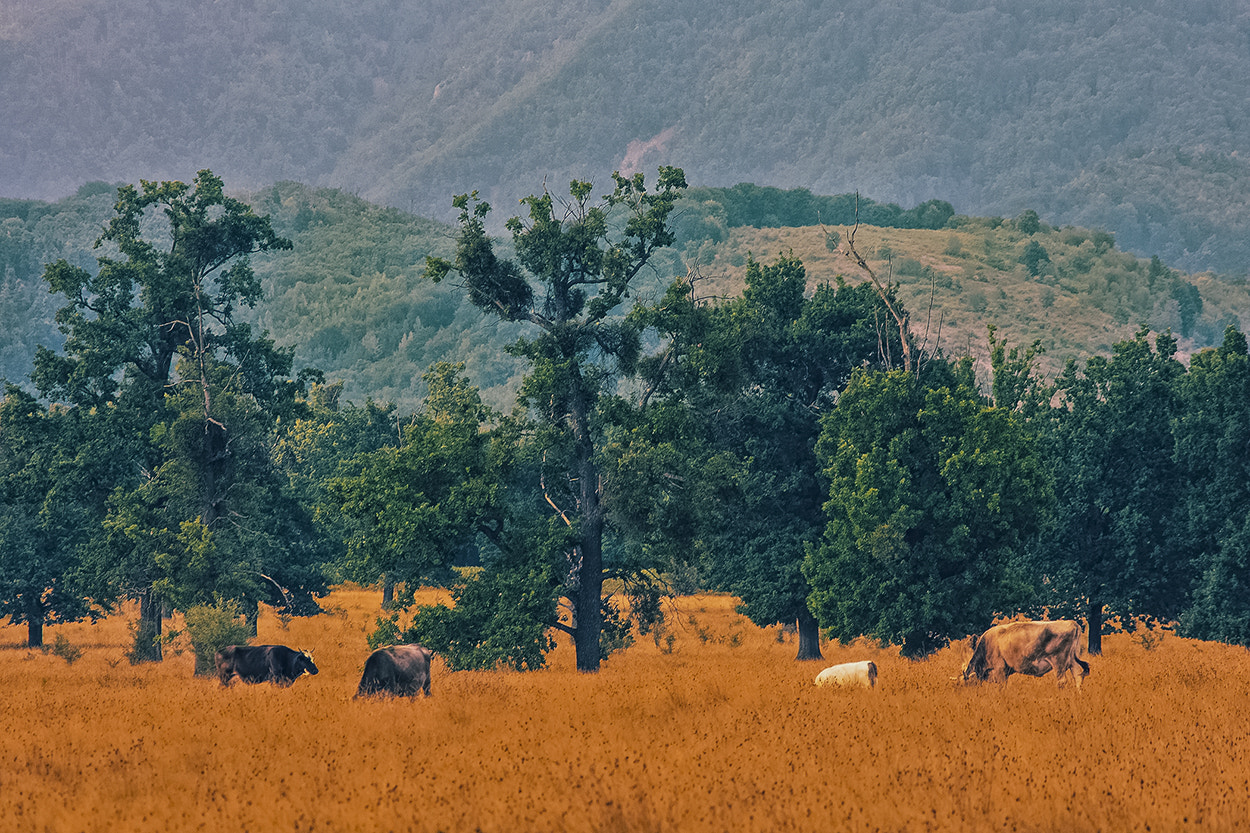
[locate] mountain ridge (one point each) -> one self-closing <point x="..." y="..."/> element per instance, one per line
<point x="1116" y="115"/>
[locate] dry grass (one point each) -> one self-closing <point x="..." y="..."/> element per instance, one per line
<point x="723" y="733"/>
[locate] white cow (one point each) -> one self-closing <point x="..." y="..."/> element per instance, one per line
<point x="856" y="674"/>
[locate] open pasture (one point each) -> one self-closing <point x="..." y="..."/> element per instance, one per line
<point x="718" y="731"/>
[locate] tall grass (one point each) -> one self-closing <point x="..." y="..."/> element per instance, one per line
<point x="721" y="733"/>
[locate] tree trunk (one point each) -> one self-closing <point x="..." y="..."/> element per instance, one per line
<point x="388" y="591"/>
<point x="1094" y="620"/>
<point x="34" y="631"/>
<point x="809" y="636"/>
<point x="588" y="600"/>
<point x="147" y="647"/>
<point x="251" y="617"/>
<point x="588" y="596"/>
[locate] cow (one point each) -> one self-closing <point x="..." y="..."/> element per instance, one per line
<point x="400" y="670"/>
<point x="853" y="674"/>
<point x="1033" y="648"/>
<point x="276" y="664"/>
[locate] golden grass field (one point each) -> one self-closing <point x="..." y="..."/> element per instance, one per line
<point x="725" y="733"/>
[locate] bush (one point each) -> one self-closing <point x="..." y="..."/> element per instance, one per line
<point x="213" y="627"/>
<point x="62" y="648"/>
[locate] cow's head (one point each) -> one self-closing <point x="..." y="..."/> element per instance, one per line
<point x="306" y="662"/>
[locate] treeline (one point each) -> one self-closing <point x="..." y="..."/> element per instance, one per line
<point x="800" y="451"/>
<point x="747" y="204"/>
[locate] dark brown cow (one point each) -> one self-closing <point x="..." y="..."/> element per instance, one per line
<point x="400" y="670"/>
<point x="1033" y="648"/>
<point x="276" y="664"/>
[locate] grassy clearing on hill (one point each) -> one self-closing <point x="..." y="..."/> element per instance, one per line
<point x="955" y="282"/>
<point x="721" y="730"/>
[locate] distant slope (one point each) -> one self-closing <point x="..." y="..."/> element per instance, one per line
<point x="1085" y="296"/>
<point x="1122" y="115"/>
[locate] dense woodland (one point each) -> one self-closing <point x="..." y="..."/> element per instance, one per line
<point x="1129" y="117"/>
<point x="798" y="444"/>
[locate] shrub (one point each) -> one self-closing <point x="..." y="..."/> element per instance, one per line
<point x="62" y="648"/>
<point x="213" y="627"/>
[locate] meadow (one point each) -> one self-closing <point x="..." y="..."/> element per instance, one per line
<point x="718" y="729"/>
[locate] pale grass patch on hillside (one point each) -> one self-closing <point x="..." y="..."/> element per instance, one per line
<point x="720" y="733"/>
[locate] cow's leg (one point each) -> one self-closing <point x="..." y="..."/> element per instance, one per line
<point x="426" y="687"/>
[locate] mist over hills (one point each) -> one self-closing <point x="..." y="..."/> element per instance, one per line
<point x="1126" y="116"/>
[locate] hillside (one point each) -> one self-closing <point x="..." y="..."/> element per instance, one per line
<point x="1126" y="116"/>
<point x="1087" y="296"/>
<point x="350" y="299"/>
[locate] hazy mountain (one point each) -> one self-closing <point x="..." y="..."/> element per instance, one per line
<point x="1127" y="116"/>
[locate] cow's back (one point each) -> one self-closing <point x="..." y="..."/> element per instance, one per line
<point x="861" y="674"/>
<point x="400" y="670"/>
<point x="1033" y="648"/>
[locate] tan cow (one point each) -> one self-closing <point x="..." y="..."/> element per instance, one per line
<point x="852" y="674"/>
<point x="1033" y="648"/>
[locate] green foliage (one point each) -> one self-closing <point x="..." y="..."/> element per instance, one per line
<point x="1212" y="436"/>
<point x="1034" y="258"/>
<point x="501" y="616"/>
<point x="55" y="467"/>
<point x="212" y="627"/>
<point x="932" y="496"/>
<point x="61" y="647"/>
<point x="411" y="508"/>
<point x="706" y="212"/>
<point x="190" y="398"/>
<point x="1112" y="450"/>
<point x="1027" y="222"/>
<point x="576" y="262"/>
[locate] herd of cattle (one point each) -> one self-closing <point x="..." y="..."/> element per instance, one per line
<point x="1032" y="648"/>
<point x="401" y="670"/>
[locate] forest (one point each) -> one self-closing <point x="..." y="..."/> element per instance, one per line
<point x="798" y="445"/>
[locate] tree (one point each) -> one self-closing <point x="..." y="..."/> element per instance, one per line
<point x="412" y="508"/>
<point x="53" y="463"/>
<point x="760" y="370"/>
<point x="573" y="270"/>
<point x="933" y="494"/>
<point x="1213" y="454"/>
<point x="151" y="339"/>
<point x="1034" y="257"/>
<point x="330" y="442"/>
<point x="1113" y="453"/>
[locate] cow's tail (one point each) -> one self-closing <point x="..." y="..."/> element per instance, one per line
<point x="1084" y="665"/>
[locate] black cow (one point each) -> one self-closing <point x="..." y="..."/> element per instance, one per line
<point x="400" y="670"/>
<point x="277" y="664"/>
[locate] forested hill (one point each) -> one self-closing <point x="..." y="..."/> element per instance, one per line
<point x="1126" y="116"/>
<point x="350" y="299"/>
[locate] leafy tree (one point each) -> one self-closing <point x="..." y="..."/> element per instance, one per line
<point x="52" y="465"/>
<point x="412" y="508"/>
<point x="573" y="270"/>
<point x="933" y="494"/>
<point x="151" y="338"/>
<point x="1034" y="257"/>
<point x="1112" y="449"/>
<point x="759" y="372"/>
<point x="1028" y="222"/>
<point x="330" y="442"/>
<point x="1213" y="454"/>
